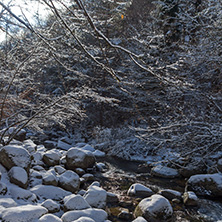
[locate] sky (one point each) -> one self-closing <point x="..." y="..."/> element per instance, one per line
<point x="28" y="7"/>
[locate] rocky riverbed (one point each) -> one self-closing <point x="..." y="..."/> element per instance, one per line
<point x="75" y="182"/>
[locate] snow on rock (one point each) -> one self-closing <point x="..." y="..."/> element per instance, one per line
<point x="18" y="176"/>
<point x="51" y="206"/>
<point x="30" y="146"/>
<point x="190" y="198"/>
<point x="51" y="157"/>
<point x="7" y="202"/>
<point x="165" y="172"/>
<point x="88" y="147"/>
<point x="63" y="145"/>
<point x="22" y="195"/>
<point x="50" y="192"/>
<point x="14" y="155"/>
<point x="139" y="190"/>
<point x="139" y="219"/>
<point x="97" y="215"/>
<point x="3" y="188"/>
<point x="24" y="213"/>
<point x="96" y="197"/>
<point x="88" y="177"/>
<point x="206" y="184"/>
<point x="69" y="180"/>
<point x="85" y="219"/>
<point x="77" y="157"/>
<point x="98" y="153"/>
<point x="49" y="179"/>
<point x="59" y="169"/>
<point x="75" y="202"/>
<point x="154" y="208"/>
<point x="170" y="194"/>
<point x="49" y="218"/>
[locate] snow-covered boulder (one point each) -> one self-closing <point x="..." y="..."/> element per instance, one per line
<point x="85" y="219"/>
<point x="97" y="215"/>
<point x="77" y="157"/>
<point x="3" y="188"/>
<point x="18" y="176"/>
<point x="206" y="184"/>
<point x="7" y="202"/>
<point x="190" y="198"/>
<point x="51" y="157"/>
<point x="14" y="155"/>
<point x="96" y="197"/>
<point x="22" y="195"/>
<point x="139" y="219"/>
<point x="50" y="192"/>
<point x="49" y="179"/>
<point x="155" y="208"/>
<point x="139" y="190"/>
<point x="164" y="172"/>
<point x="170" y="194"/>
<point x="24" y="213"/>
<point x="51" y="206"/>
<point x="69" y="180"/>
<point x="75" y="202"/>
<point x="49" y="218"/>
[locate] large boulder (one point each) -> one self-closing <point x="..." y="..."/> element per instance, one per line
<point x="24" y="213"/>
<point x="18" y="176"/>
<point x="155" y="208"/>
<point x="49" y="218"/>
<point x="75" y="202"/>
<point x="96" y="214"/>
<point x="69" y="180"/>
<point x="206" y="184"/>
<point x="77" y="157"/>
<point x="49" y="192"/>
<point x="15" y="155"/>
<point x="51" y="157"/>
<point x="96" y="197"/>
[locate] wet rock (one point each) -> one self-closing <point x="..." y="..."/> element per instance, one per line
<point x="170" y="194"/>
<point x="155" y="208"/>
<point x="75" y="202"/>
<point x="24" y="213"/>
<point x="76" y="157"/>
<point x="69" y="180"/>
<point x="219" y="165"/>
<point x="97" y="215"/>
<point x="51" y="157"/>
<point x="7" y="202"/>
<point x="18" y="176"/>
<point x="139" y="219"/>
<point x="96" y="197"/>
<point x="164" y="172"/>
<point x="14" y="155"/>
<point x="51" y="206"/>
<point x="206" y="184"/>
<point x="190" y="198"/>
<point x="50" y="192"/>
<point x="49" y="218"/>
<point x="139" y="190"/>
<point x="3" y="188"/>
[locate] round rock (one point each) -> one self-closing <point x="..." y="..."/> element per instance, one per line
<point x="18" y="176"/>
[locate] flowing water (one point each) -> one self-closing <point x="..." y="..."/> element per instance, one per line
<point x="121" y="174"/>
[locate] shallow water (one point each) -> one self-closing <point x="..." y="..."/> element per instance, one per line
<point x="121" y="174"/>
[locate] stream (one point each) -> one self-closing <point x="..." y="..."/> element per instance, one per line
<point x="121" y="174"/>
